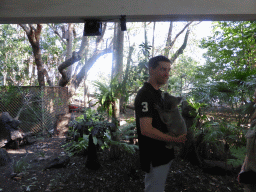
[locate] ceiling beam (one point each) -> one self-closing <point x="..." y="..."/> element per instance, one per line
<point x="76" y="11"/>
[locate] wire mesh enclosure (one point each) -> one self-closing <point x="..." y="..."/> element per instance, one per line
<point x="37" y="107"/>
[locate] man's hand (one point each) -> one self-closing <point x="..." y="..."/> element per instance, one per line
<point x="148" y="130"/>
<point x="180" y="139"/>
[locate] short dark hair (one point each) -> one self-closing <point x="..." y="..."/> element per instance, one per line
<point x="154" y="61"/>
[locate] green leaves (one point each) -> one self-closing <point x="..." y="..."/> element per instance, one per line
<point x="239" y="153"/>
<point x="13" y="53"/>
<point x="107" y="94"/>
<point x="74" y="147"/>
<point x="228" y="75"/>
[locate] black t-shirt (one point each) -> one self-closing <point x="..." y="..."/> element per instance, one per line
<point x="151" y="150"/>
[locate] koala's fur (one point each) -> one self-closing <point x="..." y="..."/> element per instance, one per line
<point x="170" y="115"/>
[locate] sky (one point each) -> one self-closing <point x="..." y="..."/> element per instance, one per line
<point x="103" y="65"/>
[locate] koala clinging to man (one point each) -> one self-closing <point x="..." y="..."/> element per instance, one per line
<point x="170" y="115"/>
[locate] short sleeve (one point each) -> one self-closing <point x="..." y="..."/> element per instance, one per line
<point x="144" y="104"/>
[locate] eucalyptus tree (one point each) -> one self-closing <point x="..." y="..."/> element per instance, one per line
<point x="229" y="72"/>
<point x="14" y="56"/>
<point x="82" y="50"/>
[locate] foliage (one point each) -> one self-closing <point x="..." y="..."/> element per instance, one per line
<point x="228" y="75"/>
<point x="228" y="78"/>
<point x="197" y="106"/>
<point x="14" y="55"/>
<point x="182" y="76"/>
<point x="107" y="94"/>
<point x="20" y="165"/>
<point x="101" y="132"/>
<point x="126" y="131"/>
<point x="223" y="130"/>
<point x="130" y="148"/>
<point x="137" y="73"/>
<point x="239" y="153"/>
<point x="130" y="120"/>
<point x="8" y="94"/>
<point x="74" y="147"/>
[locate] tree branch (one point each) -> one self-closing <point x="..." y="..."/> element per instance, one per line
<point x="45" y="72"/>
<point x="181" y="49"/>
<point x="64" y="79"/>
<point x="186" y="26"/>
<point x="79" y="77"/>
<point x="58" y="34"/>
<point x="84" y="43"/>
<point x="25" y="28"/>
<point x="38" y="32"/>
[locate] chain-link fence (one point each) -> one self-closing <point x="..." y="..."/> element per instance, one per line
<point x="36" y="107"/>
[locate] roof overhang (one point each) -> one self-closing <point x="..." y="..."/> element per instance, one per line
<point x="77" y="11"/>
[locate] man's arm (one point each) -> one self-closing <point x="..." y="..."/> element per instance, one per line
<point x="148" y="130"/>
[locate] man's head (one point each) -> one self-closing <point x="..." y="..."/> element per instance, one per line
<point x="159" y="68"/>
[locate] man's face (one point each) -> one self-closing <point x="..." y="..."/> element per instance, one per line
<point x="161" y="72"/>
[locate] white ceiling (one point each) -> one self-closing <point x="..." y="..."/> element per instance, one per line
<point x="56" y="11"/>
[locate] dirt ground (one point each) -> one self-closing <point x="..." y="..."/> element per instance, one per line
<point x="120" y="174"/>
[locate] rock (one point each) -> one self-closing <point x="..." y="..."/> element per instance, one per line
<point x="9" y="129"/>
<point x="58" y="163"/>
<point x="4" y="157"/>
<point x="5" y="118"/>
<point x="15" y="134"/>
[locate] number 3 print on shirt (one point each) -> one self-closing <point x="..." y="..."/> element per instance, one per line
<point x="145" y="106"/>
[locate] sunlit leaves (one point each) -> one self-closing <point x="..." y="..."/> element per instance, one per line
<point x="13" y="53"/>
<point x="230" y="59"/>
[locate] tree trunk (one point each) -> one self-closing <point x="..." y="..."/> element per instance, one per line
<point x="125" y="80"/>
<point x="168" y="41"/>
<point x="77" y="56"/>
<point x="69" y="49"/>
<point x="153" y="40"/>
<point x="117" y="70"/>
<point x="117" y="62"/>
<point x="33" y="35"/>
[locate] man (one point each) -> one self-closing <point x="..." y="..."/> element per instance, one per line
<point x="155" y="158"/>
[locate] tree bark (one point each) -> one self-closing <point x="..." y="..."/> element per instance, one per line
<point x="69" y="49"/>
<point x="117" y="62"/>
<point x="125" y="80"/>
<point x="117" y="70"/>
<point x="181" y="49"/>
<point x="33" y="35"/>
<point x="77" y="78"/>
<point x="168" y="41"/>
<point x="153" y="39"/>
<point x="82" y="74"/>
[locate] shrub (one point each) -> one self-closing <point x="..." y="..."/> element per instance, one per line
<point x="239" y="153"/>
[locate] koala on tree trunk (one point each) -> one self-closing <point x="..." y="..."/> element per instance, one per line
<point x="170" y="115"/>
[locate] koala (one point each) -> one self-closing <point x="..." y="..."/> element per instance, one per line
<point x="170" y="115"/>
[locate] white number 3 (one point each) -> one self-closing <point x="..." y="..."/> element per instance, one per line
<point x="145" y="106"/>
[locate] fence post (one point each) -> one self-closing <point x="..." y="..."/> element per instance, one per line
<point x="42" y="107"/>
